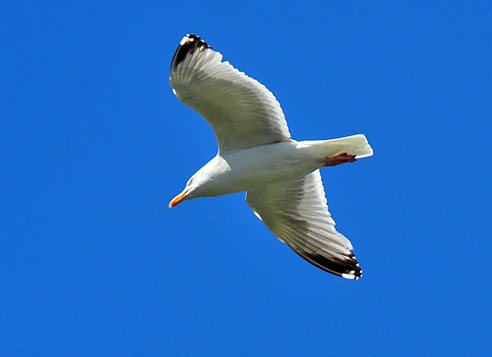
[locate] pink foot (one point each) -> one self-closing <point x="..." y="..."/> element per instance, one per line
<point x="337" y="159"/>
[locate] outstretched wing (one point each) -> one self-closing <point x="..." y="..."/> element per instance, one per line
<point x="297" y="213"/>
<point x="241" y="111"/>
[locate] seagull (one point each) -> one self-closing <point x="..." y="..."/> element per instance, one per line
<point x="257" y="155"/>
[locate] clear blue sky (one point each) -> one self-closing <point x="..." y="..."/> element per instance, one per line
<point x="94" y="145"/>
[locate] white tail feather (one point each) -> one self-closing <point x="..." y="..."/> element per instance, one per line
<point x="352" y="145"/>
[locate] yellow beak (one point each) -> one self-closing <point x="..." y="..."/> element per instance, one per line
<point x="179" y="198"/>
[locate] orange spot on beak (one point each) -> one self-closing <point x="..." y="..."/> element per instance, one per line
<point x="178" y="199"/>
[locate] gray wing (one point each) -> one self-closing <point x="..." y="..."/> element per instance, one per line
<point x="296" y="212"/>
<point x="241" y="111"/>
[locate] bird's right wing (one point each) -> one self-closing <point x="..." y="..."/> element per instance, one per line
<point x="297" y="213"/>
<point x="241" y="111"/>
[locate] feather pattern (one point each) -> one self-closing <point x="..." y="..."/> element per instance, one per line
<point x="296" y="212"/>
<point x="242" y="112"/>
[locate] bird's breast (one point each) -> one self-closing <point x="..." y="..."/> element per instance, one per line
<point x="259" y="166"/>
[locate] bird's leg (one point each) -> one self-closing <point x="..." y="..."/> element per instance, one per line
<point x="337" y="159"/>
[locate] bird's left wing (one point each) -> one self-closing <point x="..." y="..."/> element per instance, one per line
<point x="297" y="213"/>
<point x="241" y="111"/>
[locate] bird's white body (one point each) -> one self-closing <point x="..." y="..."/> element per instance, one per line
<point x="257" y="155"/>
<point x="252" y="168"/>
<point x="247" y="169"/>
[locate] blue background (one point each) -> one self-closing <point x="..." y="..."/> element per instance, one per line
<point x="94" y="145"/>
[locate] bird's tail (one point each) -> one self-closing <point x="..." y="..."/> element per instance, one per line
<point x="353" y="145"/>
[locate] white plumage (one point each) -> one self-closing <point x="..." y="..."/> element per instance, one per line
<point x="242" y="112"/>
<point x="257" y="155"/>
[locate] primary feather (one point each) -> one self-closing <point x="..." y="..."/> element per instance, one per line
<point x="241" y="111"/>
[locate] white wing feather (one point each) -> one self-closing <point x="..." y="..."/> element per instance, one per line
<point x="297" y="213"/>
<point x="241" y="111"/>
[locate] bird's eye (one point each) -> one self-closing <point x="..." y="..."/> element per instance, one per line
<point x="190" y="181"/>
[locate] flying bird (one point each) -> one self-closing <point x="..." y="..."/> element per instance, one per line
<point x="257" y="155"/>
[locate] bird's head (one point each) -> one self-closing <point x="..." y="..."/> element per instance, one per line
<point x="188" y="193"/>
<point x="206" y="182"/>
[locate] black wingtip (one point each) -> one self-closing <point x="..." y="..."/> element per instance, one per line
<point x="347" y="268"/>
<point x="189" y="44"/>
